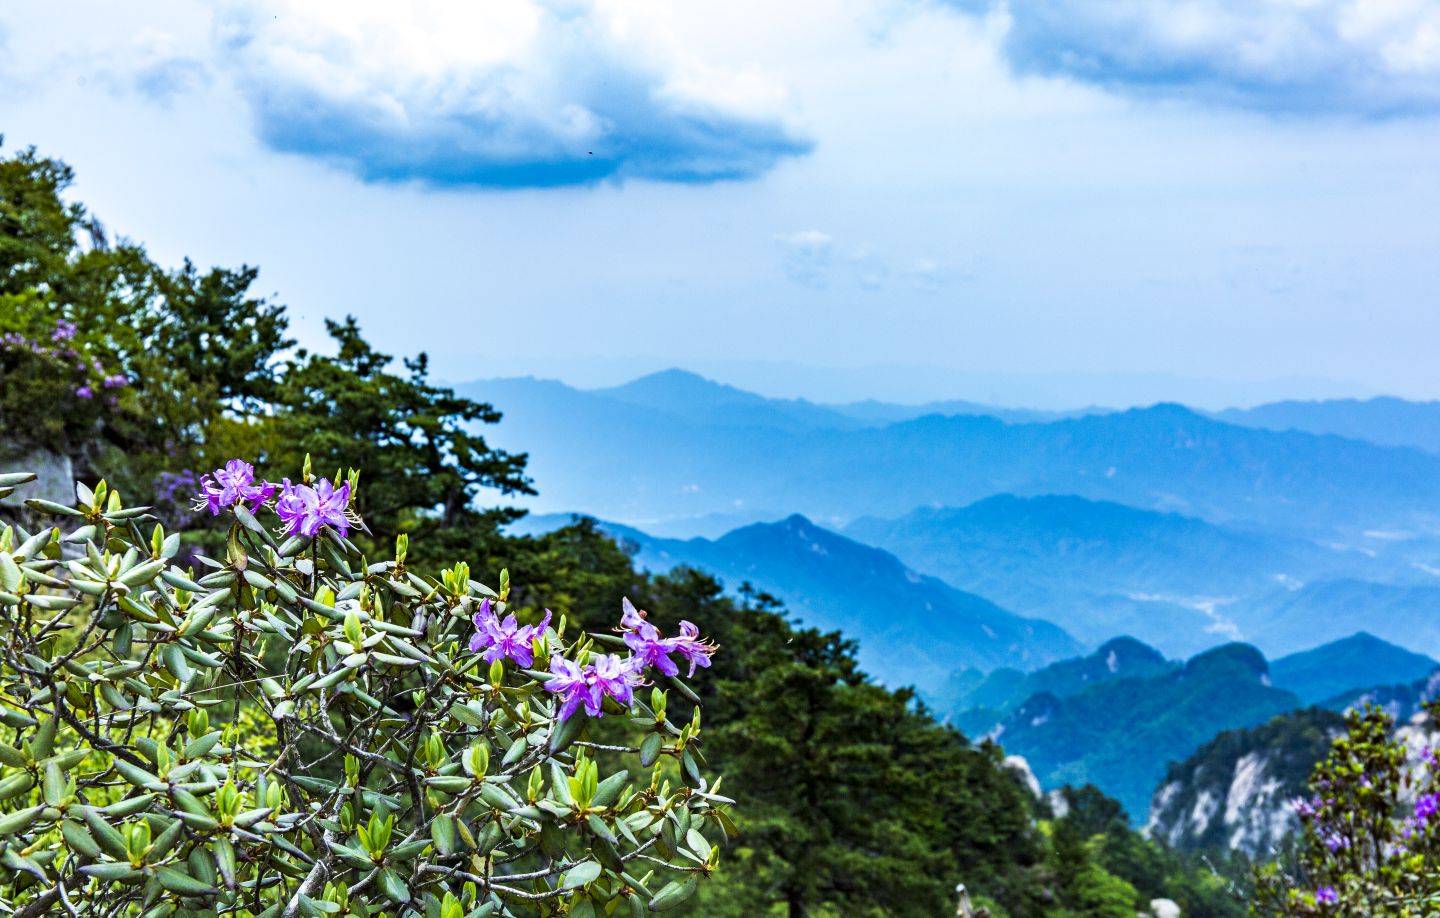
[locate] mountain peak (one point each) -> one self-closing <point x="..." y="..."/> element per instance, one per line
<point x="1233" y="658"/>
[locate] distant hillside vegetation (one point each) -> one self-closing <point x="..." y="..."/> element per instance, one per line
<point x="1120" y="735"/>
<point x="1235" y="791"/>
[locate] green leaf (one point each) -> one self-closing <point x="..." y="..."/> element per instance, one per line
<point x="450" y="784"/>
<point x="697" y="843"/>
<point x="597" y="825"/>
<point x="442" y="832"/>
<point x="110" y="873"/>
<point x="394" y="887"/>
<point x="582" y="873"/>
<point x="54" y="784"/>
<point x="16" y="784"/>
<point x="564" y="733"/>
<point x="20" y="820"/>
<point x="10" y="575"/>
<point x="182" y="883"/>
<point x="176" y="663"/>
<point x="675" y="893"/>
<point x="609" y="789"/>
<point x="650" y="749"/>
<point x="78" y="839"/>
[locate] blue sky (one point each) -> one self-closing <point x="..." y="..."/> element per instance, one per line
<point x="1102" y="200"/>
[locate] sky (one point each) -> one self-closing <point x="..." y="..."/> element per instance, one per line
<point x="1101" y="201"/>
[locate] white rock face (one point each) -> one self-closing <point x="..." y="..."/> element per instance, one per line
<point x="55" y="478"/>
<point x="1256" y="815"/>
<point x="1017" y="763"/>
<point x="1164" y="908"/>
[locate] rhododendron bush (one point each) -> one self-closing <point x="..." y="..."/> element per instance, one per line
<point x="296" y="729"/>
<point x="1371" y="842"/>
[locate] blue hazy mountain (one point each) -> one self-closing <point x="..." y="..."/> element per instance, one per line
<point x="1100" y="567"/>
<point x="1385" y="420"/>
<point x="1289" y="621"/>
<point x="912" y="629"/>
<point x="1357" y="662"/>
<point x="696" y="400"/>
<point x="976" y="705"/>
<point x="1120" y="734"/>
<point x="644" y="460"/>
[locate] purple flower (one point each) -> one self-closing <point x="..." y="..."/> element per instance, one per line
<point x="507" y="639"/>
<point x="574" y="687"/>
<point x="615" y="677"/>
<point x="114" y="381"/>
<point x="1334" y="841"/>
<point x="690" y="646"/>
<point x="84" y="392"/>
<point x="631" y="618"/>
<point x="64" y="331"/>
<point x="1303" y="808"/>
<point x="649" y="649"/>
<point x="1425" y="807"/>
<point x="234" y="484"/>
<point x="305" y="510"/>
<point x="1326" y="895"/>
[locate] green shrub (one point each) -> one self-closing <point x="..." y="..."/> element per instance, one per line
<point x="298" y="729"/>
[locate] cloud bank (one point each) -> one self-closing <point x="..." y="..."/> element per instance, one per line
<point x="1360" y="57"/>
<point x="505" y="93"/>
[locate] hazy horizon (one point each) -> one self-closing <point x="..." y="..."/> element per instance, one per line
<point x="919" y="385"/>
<point x="953" y="198"/>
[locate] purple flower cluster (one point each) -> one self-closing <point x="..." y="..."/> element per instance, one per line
<point x="305" y="509"/>
<point x="648" y="646"/>
<point x="1326" y="895"/>
<point x="588" y="685"/>
<point x="234" y="484"/>
<point x="64" y="332"/>
<point x="1333" y="840"/>
<point x="505" y="640"/>
<point x="1426" y="806"/>
<point x="611" y="675"/>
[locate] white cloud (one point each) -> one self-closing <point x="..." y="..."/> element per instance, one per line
<point x="807" y="256"/>
<point x="507" y="93"/>
<point x="813" y="258"/>
<point x="1367" y="57"/>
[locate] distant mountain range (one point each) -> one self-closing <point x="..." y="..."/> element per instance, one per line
<point x="675" y="446"/>
<point x="1104" y="568"/>
<point x="1120" y="734"/>
<point x="912" y="629"/>
<point x="1288" y="621"/>
<point x="1116" y="717"/>
<point x="1386" y="421"/>
<point x="1357" y="662"/>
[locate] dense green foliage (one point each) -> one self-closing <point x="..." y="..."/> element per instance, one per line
<point x="298" y="731"/>
<point x="852" y="799"/>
